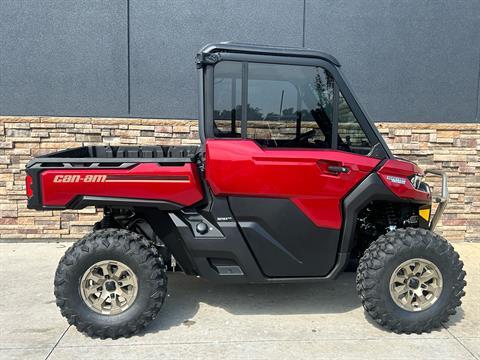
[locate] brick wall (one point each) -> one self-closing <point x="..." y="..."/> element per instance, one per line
<point x="454" y="147"/>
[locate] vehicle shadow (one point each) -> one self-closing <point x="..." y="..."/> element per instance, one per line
<point x="186" y="293"/>
<point x="454" y="319"/>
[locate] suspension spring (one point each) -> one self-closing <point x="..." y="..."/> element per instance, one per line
<point x="391" y="218"/>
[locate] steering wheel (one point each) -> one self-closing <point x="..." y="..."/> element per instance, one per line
<point x="302" y="137"/>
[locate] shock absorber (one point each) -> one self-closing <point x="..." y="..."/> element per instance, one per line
<point x="391" y="217"/>
<point x="107" y="218"/>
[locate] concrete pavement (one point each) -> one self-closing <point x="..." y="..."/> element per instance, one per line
<point x="202" y="319"/>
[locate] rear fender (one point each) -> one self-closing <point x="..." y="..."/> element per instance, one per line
<point x="165" y="229"/>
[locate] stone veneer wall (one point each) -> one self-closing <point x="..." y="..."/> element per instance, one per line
<point x="454" y="147"/>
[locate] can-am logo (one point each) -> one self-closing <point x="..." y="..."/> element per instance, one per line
<point x="79" y="178"/>
<point x="396" y="180"/>
<point x="129" y="178"/>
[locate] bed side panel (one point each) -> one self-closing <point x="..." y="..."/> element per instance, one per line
<point x="179" y="184"/>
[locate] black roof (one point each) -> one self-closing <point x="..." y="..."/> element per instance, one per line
<point x="267" y="50"/>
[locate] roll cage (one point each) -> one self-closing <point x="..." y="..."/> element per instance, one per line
<point x="212" y="54"/>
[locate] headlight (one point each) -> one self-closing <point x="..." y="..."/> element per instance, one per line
<point x="425" y="188"/>
<point x="416" y="180"/>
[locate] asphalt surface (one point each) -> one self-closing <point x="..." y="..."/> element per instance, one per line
<point x="201" y="319"/>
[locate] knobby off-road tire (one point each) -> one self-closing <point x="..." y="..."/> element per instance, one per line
<point x="134" y="255"/>
<point x="386" y="255"/>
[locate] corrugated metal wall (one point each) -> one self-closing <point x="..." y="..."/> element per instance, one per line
<point x="407" y="61"/>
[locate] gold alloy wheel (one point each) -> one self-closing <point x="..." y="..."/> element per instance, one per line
<point x="416" y="284"/>
<point x="109" y="287"/>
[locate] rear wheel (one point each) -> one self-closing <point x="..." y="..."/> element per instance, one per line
<point x="109" y="287"/>
<point x="112" y="283"/>
<point x="410" y="280"/>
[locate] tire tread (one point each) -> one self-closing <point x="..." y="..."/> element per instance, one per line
<point x="135" y="246"/>
<point x="383" y="250"/>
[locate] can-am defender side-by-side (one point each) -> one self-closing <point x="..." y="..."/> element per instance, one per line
<point x="292" y="182"/>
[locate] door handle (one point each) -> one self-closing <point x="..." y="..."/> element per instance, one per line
<point x="338" y="169"/>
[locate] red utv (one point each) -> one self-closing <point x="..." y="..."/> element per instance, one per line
<point x="291" y="183"/>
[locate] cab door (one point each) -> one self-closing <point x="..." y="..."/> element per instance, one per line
<point x="282" y="157"/>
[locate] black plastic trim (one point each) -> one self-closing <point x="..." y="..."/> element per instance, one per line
<point x="201" y="105"/>
<point x="256" y="228"/>
<point x="161" y="222"/>
<point x="225" y="242"/>
<point x="95" y="156"/>
<point x="83" y="201"/>
<point x="208" y="102"/>
<point x="370" y="189"/>
<point x="205" y="54"/>
<point x="244" y="99"/>
<point x="128" y="161"/>
<point x="334" y="140"/>
<point x="285" y="242"/>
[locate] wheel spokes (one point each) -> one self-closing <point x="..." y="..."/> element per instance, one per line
<point x="98" y="302"/>
<point x="418" y="269"/>
<point x="96" y="278"/>
<point x="402" y="289"/>
<point x="400" y="278"/>
<point x="109" y="287"/>
<point x="426" y="276"/>
<point x="115" y="307"/>
<point x="107" y="270"/>
<point x="416" y="284"/>
<point x="93" y="289"/>
<point x="127" y="282"/>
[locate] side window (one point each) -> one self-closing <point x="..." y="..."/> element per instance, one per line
<point x="227" y="108"/>
<point x="286" y="106"/>
<point x="351" y="137"/>
<point x="289" y="105"/>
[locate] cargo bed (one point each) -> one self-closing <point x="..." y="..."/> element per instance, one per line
<point x="161" y="176"/>
<point x="117" y="154"/>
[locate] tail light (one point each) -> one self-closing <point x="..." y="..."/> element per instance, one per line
<point x="28" y="186"/>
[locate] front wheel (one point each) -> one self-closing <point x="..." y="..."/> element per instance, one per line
<point x="410" y="280"/>
<point x="112" y="283"/>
